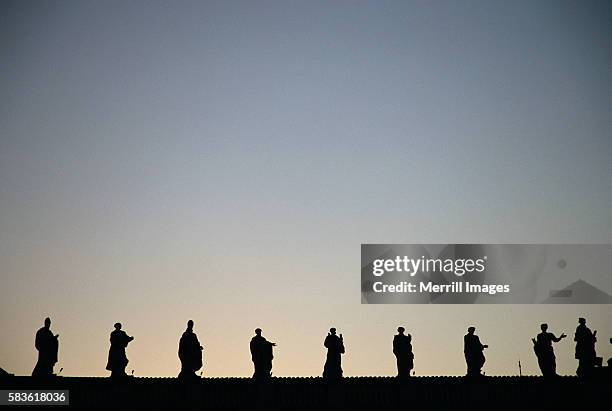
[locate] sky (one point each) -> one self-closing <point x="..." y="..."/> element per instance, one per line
<point x="223" y="162"/>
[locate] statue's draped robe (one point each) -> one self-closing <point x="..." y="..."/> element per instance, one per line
<point x="117" y="359"/>
<point x="585" y="349"/>
<point x="402" y="348"/>
<point x="474" y="356"/>
<point x="333" y="363"/>
<point x="261" y="354"/>
<point x="546" y="355"/>
<point x="47" y="345"/>
<point x="190" y="353"/>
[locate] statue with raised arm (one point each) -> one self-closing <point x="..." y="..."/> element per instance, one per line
<point x="47" y="345"/>
<point x="542" y="345"/>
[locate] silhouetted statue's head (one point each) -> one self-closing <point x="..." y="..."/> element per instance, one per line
<point x="190" y="325"/>
<point x="332" y="331"/>
<point x="581" y="320"/>
<point x="544" y="327"/>
<point x="47" y="322"/>
<point x="258" y="331"/>
<point x="471" y="330"/>
<point x="117" y="326"/>
<point x="401" y="330"/>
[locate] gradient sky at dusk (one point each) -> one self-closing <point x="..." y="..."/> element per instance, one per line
<point x="223" y="161"/>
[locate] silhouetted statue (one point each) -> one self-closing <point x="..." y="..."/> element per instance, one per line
<point x="473" y="350"/>
<point x="402" y="348"/>
<point x="335" y="349"/>
<point x="585" y="348"/>
<point x="190" y="353"/>
<point x="542" y="345"/>
<point x="117" y="360"/>
<point x="261" y="354"/>
<point x="610" y="359"/>
<point x="47" y="345"/>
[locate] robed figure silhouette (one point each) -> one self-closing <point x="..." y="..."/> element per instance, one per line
<point x="47" y="345"/>
<point x="610" y="359"/>
<point x="585" y="348"/>
<point x="335" y="349"/>
<point x="261" y="355"/>
<point x="473" y="351"/>
<point x="117" y="359"/>
<point x="402" y="348"/>
<point x="190" y="353"/>
<point x="542" y="345"/>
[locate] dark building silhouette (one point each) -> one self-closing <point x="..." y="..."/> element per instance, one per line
<point x="308" y="394"/>
<point x="335" y="348"/>
<point x="585" y="348"/>
<point x="261" y="355"/>
<point x="117" y="358"/>
<point x="402" y="348"/>
<point x="542" y="345"/>
<point x="47" y="345"/>
<point x="474" y="353"/>
<point x="190" y="353"/>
